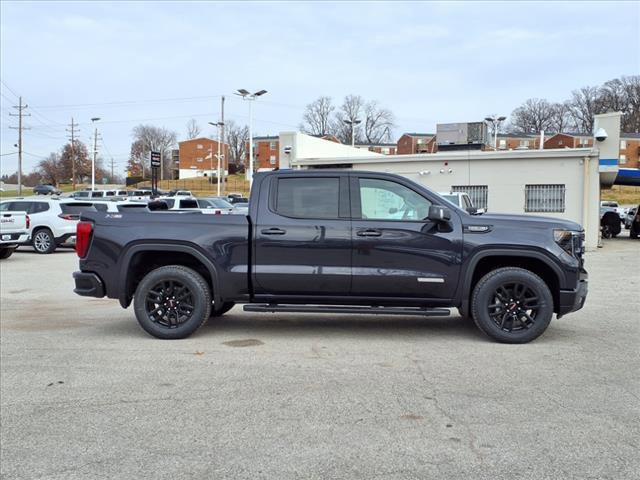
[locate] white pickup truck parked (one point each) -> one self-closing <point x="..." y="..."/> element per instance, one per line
<point x="14" y="230"/>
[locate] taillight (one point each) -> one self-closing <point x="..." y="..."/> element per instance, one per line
<point x="218" y="212"/>
<point x="28" y="221"/>
<point x="83" y="238"/>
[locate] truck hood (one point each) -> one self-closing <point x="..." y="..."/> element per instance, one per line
<point x="525" y="220"/>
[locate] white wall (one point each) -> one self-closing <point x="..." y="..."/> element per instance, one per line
<point x="306" y="146"/>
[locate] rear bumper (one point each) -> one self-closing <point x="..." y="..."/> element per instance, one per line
<point x="88" y="284"/>
<point x="572" y="300"/>
<point x="14" y="238"/>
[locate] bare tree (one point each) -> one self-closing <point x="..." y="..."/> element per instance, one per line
<point x="351" y="110"/>
<point x="623" y="95"/>
<point x="532" y="116"/>
<point x="193" y="129"/>
<point x="561" y="118"/>
<point x="50" y="169"/>
<point x="585" y="104"/>
<point x="317" y="117"/>
<point x="378" y="124"/>
<point x="237" y="138"/>
<point x="158" y="139"/>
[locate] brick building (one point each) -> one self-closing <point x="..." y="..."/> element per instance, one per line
<point x="518" y="141"/>
<point x="197" y="158"/>
<point x="384" y="148"/>
<point x="630" y="150"/>
<point x="412" y="143"/>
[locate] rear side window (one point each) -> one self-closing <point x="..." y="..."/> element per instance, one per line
<point x="188" y="203"/>
<point x="308" y="197"/>
<point x="170" y="202"/>
<point x="81" y="194"/>
<point x="39" y="207"/>
<point x="97" y="194"/>
<point x="5" y="206"/>
<point x="77" y="208"/>
<point x="23" y="207"/>
<point x="110" y="194"/>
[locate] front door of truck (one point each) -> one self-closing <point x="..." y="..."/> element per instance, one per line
<point x="302" y="238"/>
<point x="397" y="252"/>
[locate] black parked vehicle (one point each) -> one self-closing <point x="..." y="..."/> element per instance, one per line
<point x="634" y="227"/>
<point x="46" y="190"/>
<point x="336" y="242"/>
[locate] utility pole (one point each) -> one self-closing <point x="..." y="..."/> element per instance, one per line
<point x="111" y="179"/>
<point x="20" y="128"/>
<point x="72" y="130"/>
<point x="93" y="164"/>
<point x="225" y="163"/>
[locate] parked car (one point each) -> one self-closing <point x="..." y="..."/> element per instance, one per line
<point x="634" y="229"/>
<point x="462" y="200"/>
<point x="139" y="195"/>
<point x="180" y="203"/>
<point x="609" y="221"/>
<point x="628" y="219"/>
<point x="46" y="189"/>
<point x="614" y="206"/>
<point x="86" y="194"/>
<point x="180" y="193"/>
<point x="119" y="206"/>
<point x="327" y="242"/>
<point x="14" y="230"/>
<point x="216" y="203"/>
<point x="52" y="221"/>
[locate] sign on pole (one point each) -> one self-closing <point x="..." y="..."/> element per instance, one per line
<point x="155" y="159"/>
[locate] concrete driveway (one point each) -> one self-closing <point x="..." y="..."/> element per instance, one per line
<point x="87" y="394"/>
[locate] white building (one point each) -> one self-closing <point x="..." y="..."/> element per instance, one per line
<point x="563" y="183"/>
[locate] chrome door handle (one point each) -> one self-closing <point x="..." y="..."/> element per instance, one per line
<point x="273" y="231"/>
<point x="369" y="233"/>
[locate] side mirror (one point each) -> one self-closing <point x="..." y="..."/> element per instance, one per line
<point x="439" y="214"/>
<point x="475" y="211"/>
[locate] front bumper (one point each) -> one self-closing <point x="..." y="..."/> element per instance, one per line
<point x="88" y="284"/>
<point x="572" y="300"/>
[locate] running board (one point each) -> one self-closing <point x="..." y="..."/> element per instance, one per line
<point x="273" y="307"/>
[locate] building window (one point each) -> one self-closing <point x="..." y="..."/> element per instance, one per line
<point x="544" y="198"/>
<point x="199" y="159"/>
<point x="273" y="145"/>
<point x="420" y="141"/>
<point x="623" y="159"/>
<point x="199" y="146"/>
<point x="623" y="144"/>
<point x="524" y="143"/>
<point x="479" y="194"/>
<point x="385" y="150"/>
<point x="272" y="160"/>
<point x="503" y="144"/>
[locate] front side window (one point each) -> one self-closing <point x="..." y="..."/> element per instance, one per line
<point x="387" y="200"/>
<point x="314" y="197"/>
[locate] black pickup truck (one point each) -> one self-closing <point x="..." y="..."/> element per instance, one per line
<point x="335" y="241"/>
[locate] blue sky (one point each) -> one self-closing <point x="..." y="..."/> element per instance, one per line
<point x="427" y="62"/>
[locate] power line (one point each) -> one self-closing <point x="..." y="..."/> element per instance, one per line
<point x="130" y="102"/>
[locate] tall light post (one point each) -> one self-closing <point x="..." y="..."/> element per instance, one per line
<point x="251" y="97"/>
<point x="495" y="122"/>
<point x="353" y="124"/>
<point x="95" y="152"/>
<point x="219" y="126"/>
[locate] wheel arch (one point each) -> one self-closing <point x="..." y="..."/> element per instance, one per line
<point x="138" y="260"/>
<point x="536" y="262"/>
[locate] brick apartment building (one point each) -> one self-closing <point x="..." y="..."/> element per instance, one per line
<point x="383" y="148"/>
<point x="412" y="143"/>
<point x="196" y="158"/>
<point x="266" y="150"/>
<point x="517" y="141"/>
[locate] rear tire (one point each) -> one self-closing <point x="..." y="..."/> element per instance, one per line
<point x="172" y="302"/>
<point x="512" y="305"/>
<point x="6" y="253"/>
<point x="43" y="241"/>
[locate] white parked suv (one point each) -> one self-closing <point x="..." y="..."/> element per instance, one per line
<point x="52" y="221"/>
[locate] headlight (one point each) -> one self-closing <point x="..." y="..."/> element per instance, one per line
<point x="570" y="241"/>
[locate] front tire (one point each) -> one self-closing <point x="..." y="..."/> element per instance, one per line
<point x="512" y="305"/>
<point x="43" y="241"/>
<point x="172" y="302"/>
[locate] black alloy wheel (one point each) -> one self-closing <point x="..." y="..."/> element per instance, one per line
<point x="512" y="305"/>
<point x="169" y="303"/>
<point x="172" y="302"/>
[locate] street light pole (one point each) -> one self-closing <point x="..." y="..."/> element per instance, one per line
<point x="353" y="123"/>
<point x="95" y="151"/>
<point x="250" y="97"/>
<point x="220" y="126"/>
<point x="495" y="121"/>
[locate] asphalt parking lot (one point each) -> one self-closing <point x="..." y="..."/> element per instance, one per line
<point x="87" y="394"/>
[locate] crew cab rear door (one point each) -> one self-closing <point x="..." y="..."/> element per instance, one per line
<point x="302" y="236"/>
<point x="397" y="252"/>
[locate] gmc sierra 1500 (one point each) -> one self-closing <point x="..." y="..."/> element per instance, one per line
<point x="337" y="241"/>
